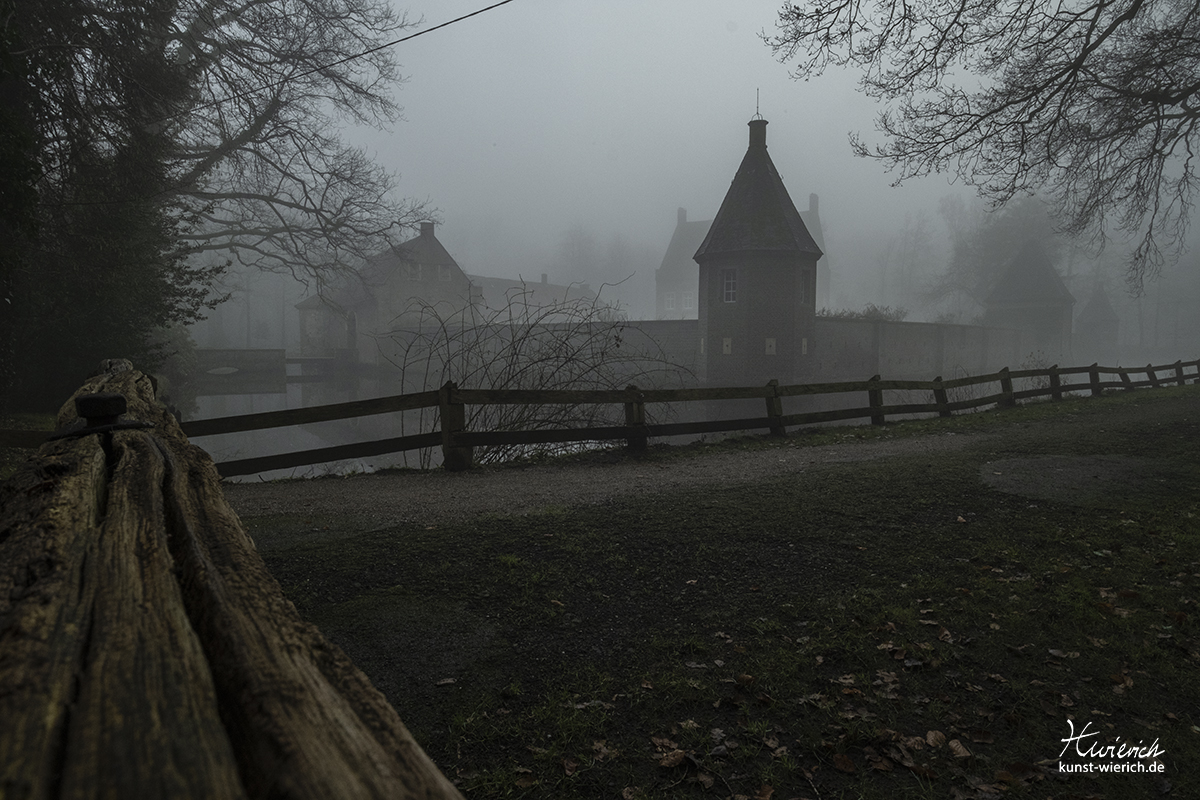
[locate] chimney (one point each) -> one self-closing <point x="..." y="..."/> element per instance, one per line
<point x="544" y="278"/>
<point x="682" y="216"/>
<point x="812" y="202"/>
<point x="427" y="229"/>
<point x="758" y="133"/>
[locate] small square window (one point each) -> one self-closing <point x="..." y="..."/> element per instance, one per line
<point x="689" y="300"/>
<point x="729" y="285"/>
<point x="669" y="301"/>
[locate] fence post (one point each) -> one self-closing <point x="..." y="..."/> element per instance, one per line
<point x="1125" y="379"/>
<point x="1150" y="374"/>
<point x="454" y="421"/>
<point x="1094" y="379"/>
<point x="1055" y="384"/>
<point x="1008" y="401"/>
<point x="875" y="400"/>
<point x="939" y="397"/>
<point x="1179" y="379"/>
<point x="775" y="408"/>
<point x="635" y="417"/>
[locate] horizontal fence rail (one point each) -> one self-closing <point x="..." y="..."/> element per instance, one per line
<point x="457" y="442"/>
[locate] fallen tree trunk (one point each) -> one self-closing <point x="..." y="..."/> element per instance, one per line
<point x="146" y="651"/>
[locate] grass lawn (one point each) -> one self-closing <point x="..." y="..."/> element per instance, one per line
<point x="922" y="626"/>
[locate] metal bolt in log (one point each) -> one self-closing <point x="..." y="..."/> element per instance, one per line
<point x="101" y="409"/>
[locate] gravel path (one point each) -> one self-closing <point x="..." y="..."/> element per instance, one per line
<point x="369" y="502"/>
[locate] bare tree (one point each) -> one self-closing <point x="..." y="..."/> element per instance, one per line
<point x="1092" y="102"/>
<point x="157" y="142"/>
<point x="259" y="162"/>
<point x="569" y="344"/>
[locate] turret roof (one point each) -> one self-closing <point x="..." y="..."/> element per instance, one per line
<point x="757" y="213"/>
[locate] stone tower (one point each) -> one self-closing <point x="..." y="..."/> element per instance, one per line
<point x="758" y="266"/>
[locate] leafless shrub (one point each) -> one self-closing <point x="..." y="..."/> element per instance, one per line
<point x="577" y="344"/>
<point x="972" y="391"/>
<point x="1035" y="360"/>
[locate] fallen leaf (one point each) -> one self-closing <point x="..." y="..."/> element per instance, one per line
<point x="842" y="762"/>
<point x="935" y="738"/>
<point x="959" y="750"/>
<point x="961" y="519"/>
<point x="445" y="682"/>
<point x="1064" y="654"/>
<point x="705" y="779"/>
<point x="569" y="766"/>
<point x="764" y="792"/>
<point x="629" y="793"/>
<point x="558" y="603"/>
<point x="672" y="759"/>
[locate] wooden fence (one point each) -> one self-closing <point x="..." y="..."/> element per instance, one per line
<point x="457" y="442"/>
<point x="146" y="651"/>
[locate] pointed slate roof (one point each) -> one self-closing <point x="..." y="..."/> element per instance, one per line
<point x="1030" y="280"/>
<point x="1098" y="313"/>
<point x="757" y="214"/>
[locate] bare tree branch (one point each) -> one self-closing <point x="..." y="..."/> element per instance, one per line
<point x="1092" y="103"/>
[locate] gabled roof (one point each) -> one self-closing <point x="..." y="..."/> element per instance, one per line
<point x="1030" y="280"/>
<point x="424" y="249"/>
<point x="688" y="235"/>
<point x="757" y="214"/>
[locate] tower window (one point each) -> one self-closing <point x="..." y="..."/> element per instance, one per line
<point x="729" y="285"/>
<point x="669" y="302"/>
<point x="689" y="301"/>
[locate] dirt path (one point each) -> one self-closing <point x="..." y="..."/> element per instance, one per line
<point x="370" y="502"/>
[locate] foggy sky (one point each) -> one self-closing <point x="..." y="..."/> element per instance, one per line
<point x="547" y="114"/>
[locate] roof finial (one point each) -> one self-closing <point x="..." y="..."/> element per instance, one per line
<point x="756" y="114"/>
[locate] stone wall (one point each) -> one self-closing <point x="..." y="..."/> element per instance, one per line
<point x="851" y="350"/>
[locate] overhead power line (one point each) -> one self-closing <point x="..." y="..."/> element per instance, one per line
<point x="345" y="60"/>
